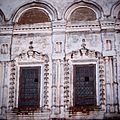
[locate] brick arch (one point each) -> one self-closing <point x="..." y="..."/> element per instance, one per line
<point x="93" y="9"/>
<point x="37" y="8"/>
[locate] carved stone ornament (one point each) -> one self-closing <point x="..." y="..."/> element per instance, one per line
<point x="30" y="57"/>
<point x="83" y="52"/>
<point x="88" y="55"/>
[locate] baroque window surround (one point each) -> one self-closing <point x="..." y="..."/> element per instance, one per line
<point x="84" y="56"/>
<point x="31" y="58"/>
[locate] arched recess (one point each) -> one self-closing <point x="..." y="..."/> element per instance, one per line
<point x="33" y="15"/>
<point x="91" y="8"/>
<point x="83" y="14"/>
<point x="115" y="11"/>
<point x="45" y="9"/>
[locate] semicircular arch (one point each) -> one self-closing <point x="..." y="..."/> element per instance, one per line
<point x="91" y="6"/>
<point x="47" y="9"/>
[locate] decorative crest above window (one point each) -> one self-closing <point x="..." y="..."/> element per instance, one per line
<point x="84" y="52"/>
<point x="32" y="55"/>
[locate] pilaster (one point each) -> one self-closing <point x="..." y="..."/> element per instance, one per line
<point x="1" y="82"/>
<point x="54" y="88"/>
<point x="108" y="85"/>
<point x="58" y="40"/>
<point x="5" y="89"/>
<point x="61" y="91"/>
<point x="115" y="86"/>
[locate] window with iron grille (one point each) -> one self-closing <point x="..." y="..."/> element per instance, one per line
<point x="29" y="88"/>
<point x="84" y="85"/>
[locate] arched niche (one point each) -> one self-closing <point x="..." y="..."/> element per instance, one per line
<point x="34" y="15"/>
<point x="82" y="14"/>
<point x="82" y="9"/>
<point x="44" y="11"/>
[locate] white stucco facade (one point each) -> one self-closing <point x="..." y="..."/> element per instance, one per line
<point x="56" y="46"/>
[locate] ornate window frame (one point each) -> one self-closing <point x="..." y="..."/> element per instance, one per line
<point x="41" y="84"/>
<point x="82" y="62"/>
<point x="84" y="56"/>
<point x="31" y="58"/>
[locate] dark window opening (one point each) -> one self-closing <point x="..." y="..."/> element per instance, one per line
<point x="87" y="79"/>
<point x="84" y="85"/>
<point x="36" y="80"/>
<point x="29" y="88"/>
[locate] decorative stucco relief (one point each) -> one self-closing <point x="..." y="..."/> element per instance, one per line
<point x="83" y="54"/>
<point x="41" y="44"/>
<point x="74" y="41"/>
<point x="30" y="57"/>
<point x="4" y="44"/>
